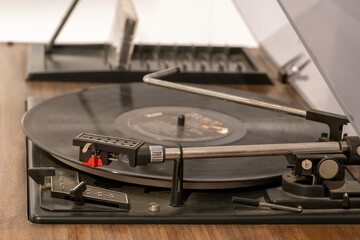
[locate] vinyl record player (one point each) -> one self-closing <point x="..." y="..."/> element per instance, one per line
<point x="181" y="153"/>
<point x="84" y="159"/>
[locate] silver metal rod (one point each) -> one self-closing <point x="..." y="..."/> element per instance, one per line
<point x="61" y="25"/>
<point x="281" y="207"/>
<point x="256" y="150"/>
<point x="152" y="78"/>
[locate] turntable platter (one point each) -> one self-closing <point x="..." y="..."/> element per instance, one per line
<point x="149" y="113"/>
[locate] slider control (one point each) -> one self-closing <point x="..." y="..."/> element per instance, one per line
<point x="256" y="203"/>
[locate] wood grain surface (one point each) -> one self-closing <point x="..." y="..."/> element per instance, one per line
<point x="13" y="209"/>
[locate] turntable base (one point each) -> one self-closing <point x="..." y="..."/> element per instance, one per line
<point x="200" y="207"/>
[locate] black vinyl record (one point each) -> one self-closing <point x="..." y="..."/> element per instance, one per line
<point x="150" y="114"/>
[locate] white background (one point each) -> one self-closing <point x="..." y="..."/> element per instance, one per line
<point x="200" y="22"/>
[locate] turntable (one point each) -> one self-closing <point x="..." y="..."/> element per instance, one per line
<point x="165" y="152"/>
<point x="102" y="155"/>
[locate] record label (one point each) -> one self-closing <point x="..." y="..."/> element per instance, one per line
<point x="161" y="123"/>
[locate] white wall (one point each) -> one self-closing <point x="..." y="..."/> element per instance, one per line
<point x="200" y="22"/>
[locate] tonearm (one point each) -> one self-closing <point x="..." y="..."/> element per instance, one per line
<point x="323" y="161"/>
<point x="350" y="146"/>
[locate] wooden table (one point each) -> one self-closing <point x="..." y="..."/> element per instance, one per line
<point x="13" y="209"/>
